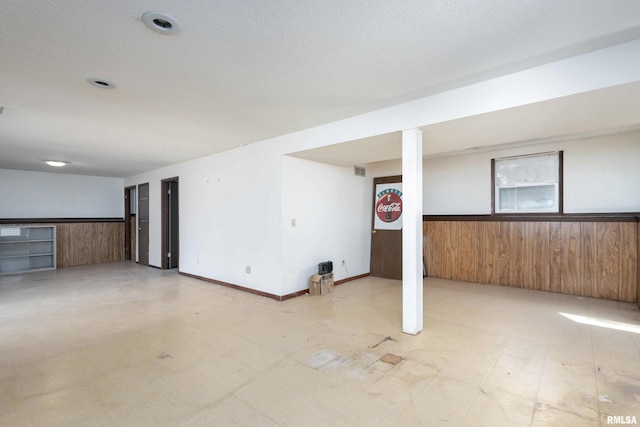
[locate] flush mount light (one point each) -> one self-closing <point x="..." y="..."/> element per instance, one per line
<point x="161" y="22"/>
<point x="56" y="163"/>
<point x="101" y="83"/>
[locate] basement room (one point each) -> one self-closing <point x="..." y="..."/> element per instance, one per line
<point x="410" y="213"/>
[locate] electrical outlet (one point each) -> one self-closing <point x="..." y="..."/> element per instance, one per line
<point x="198" y="260"/>
<point x="247" y="269"/>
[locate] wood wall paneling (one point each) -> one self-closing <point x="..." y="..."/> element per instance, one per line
<point x="426" y="246"/>
<point x="429" y="252"/>
<point x="454" y="250"/>
<point x="555" y="257"/>
<point x="589" y="259"/>
<point x="63" y="240"/>
<point x="438" y="249"/>
<point x="595" y="258"/>
<point x="517" y="265"/>
<point x="608" y="265"/>
<point x="467" y="257"/>
<point x="89" y="243"/>
<point x="528" y="278"/>
<point x="491" y="251"/>
<point x="540" y="258"/>
<point x="84" y="235"/>
<point x="628" y="261"/>
<point x="505" y="253"/>
<point x="571" y="258"/>
<point x="478" y="237"/>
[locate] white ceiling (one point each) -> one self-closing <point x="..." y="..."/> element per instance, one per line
<point x="243" y="71"/>
<point x="605" y="111"/>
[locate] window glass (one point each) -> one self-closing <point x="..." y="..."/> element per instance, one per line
<point x="527" y="183"/>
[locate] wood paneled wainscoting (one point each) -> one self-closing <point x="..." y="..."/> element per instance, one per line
<point x="81" y="241"/>
<point x="587" y="255"/>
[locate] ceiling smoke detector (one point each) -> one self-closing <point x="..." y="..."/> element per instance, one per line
<point x="161" y="22"/>
<point x="101" y="83"/>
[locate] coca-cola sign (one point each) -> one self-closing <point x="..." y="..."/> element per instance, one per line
<point x="389" y="205"/>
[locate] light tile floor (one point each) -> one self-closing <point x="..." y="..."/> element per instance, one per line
<point x="125" y="345"/>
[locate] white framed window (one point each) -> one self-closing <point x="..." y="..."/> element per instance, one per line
<point x="528" y="184"/>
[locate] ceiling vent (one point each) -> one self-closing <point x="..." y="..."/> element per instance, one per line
<point x="359" y="171"/>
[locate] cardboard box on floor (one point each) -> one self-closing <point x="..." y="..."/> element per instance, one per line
<point x="321" y="284"/>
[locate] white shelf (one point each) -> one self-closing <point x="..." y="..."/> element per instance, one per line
<point x="12" y="242"/>
<point x="27" y="248"/>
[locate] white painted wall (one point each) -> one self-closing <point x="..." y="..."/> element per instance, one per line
<point x="236" y="206"/>
<point x="229" y="217"/>
<point x="236" y="210"/>
<point x="601" y="175"/>
<point x="230" y="202"/>
<point x="331" y="208"/>
<point x="456" y="185"/>
<point x="26" y="194"/>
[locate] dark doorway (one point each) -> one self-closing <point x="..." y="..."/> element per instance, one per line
<point x="143" y="224"/>
<point x="170" y="224"/>
<point x="386" y="245"/>
<point x="130" y="223"/>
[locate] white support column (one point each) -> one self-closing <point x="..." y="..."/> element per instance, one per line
<point x="412" y="306"/>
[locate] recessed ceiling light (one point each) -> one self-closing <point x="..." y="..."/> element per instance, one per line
<point x="161" y="22"/>
<point x="56" y="163"/>
<point x="101" y="83"/>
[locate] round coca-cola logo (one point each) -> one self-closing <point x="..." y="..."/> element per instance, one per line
<point x="389" y="205"/>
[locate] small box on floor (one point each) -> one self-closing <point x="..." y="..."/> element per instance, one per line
<point x="321" y="284"/>
<point x="314" y="284"/>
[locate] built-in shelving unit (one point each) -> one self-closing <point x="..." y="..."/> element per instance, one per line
<point x="27" y="248"/>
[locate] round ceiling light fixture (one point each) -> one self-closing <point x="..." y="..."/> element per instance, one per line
<point x="161" y="22"/>
<point x="101" y="83"/>
<point x="56" y="163"/>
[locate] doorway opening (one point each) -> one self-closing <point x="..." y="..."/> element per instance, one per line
<point x="386" y="233"/>
<point x="170" y="224"/>
<point x="130" y="223"/>
<point x="143" y="224"/>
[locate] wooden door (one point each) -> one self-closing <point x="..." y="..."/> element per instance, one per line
<point x="143" y="224"/>
<point x="129" y="222"/>
<point x="386" y="245"/>
<point x="173" y="225"/>
<point x="132" y="240"/>
<point x="170" y="223"/>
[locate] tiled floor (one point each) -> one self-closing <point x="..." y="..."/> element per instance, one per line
<point x="124" y="345"/>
